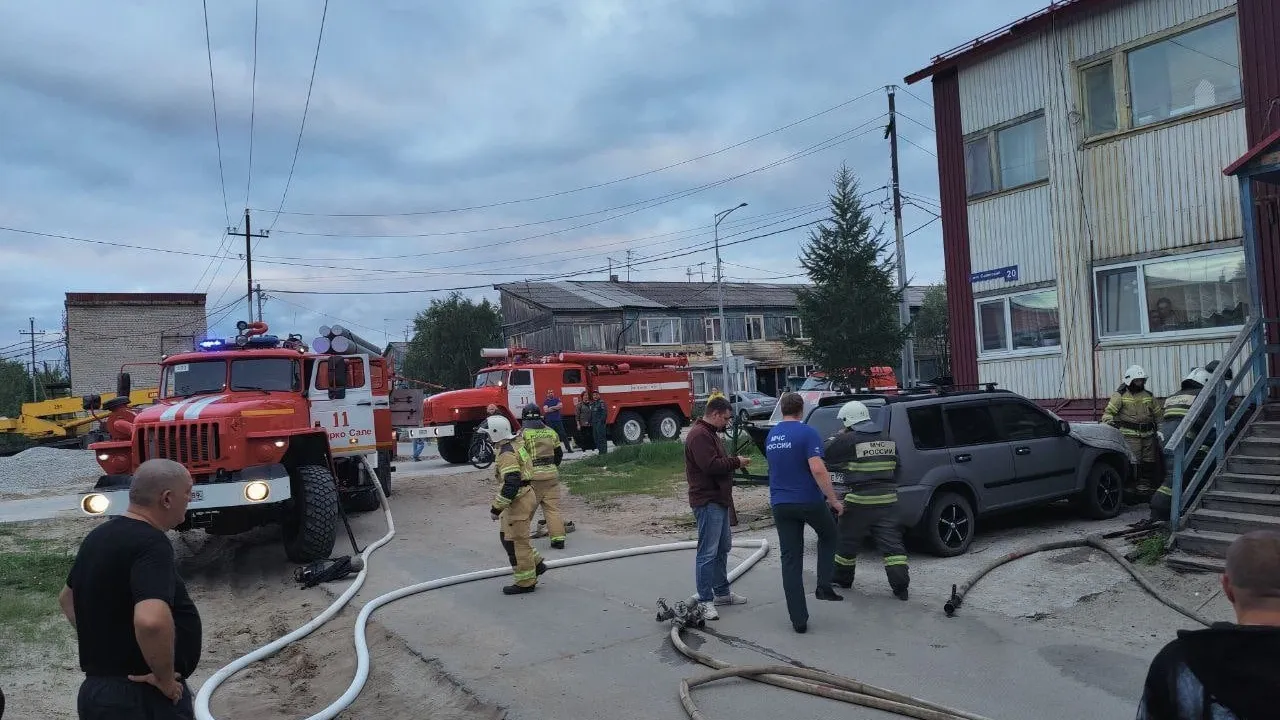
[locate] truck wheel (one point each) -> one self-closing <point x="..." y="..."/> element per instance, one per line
<point x="664" y="425"/>
<point x="453" y="450"/>
<point x="1103" y="492"/>
<point x="310" y="524"/>
<point x="628" y="429"/>
<point x="384" y="471"/>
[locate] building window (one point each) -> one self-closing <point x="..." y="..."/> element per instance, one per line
<point x="660" y="331"/>
<point x="755" y="327"/>
<point x="1204" y="292"/>
<point x="1015" y="323"/>
<point x="1007" y="156"/>
<point x="712" y="326"/>
<point x="792" y="327"/>
<point x="517" y="341"/>
<point x="588" y="337"/>
<point x="571" y="377"/>
<point x="699" y="382"/>
<point x="1192" y="71"/>
<point x="801" y="371"/>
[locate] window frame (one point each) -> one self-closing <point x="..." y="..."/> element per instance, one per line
<point x="791" y="322"/>
<point x="578" y="328"/>
<point x="952" y="442"/>
<point x="992" y="134"/>
<point x="1051" y="423"/>
<point x="711" y="329"/>
<point x="1144" y="321"/>
<point x="644" y="330"/>
<point x="694" y="377"/>
<point x="1010" y="350"/>
<point x="1123" y="96"/>
<point x="747" y="323"/>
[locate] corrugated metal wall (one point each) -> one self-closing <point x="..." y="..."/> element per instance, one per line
<point x="1134" y="20"/>
<point x="1013" y="229"/>
<point x="1164" y="189"/>
<point x="1034" y="377"/>
<point x="1166" y="364"/>
<point x="1004" y="87"/>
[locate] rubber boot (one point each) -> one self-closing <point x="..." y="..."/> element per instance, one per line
<point x="557" y="544"/>
<point x="541" y="568"/>
<point x="518" y="589"/>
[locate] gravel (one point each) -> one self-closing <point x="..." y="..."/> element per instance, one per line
<point x="40" y="469"/>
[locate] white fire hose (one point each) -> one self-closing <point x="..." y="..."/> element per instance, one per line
<point x="800" y="679"/>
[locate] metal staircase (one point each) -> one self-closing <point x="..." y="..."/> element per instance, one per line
<point x="1214" y="502"/>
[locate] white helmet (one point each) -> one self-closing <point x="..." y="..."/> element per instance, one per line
<point x="852" y="413"/>
<point x="498" y="428"/>
<point x="1135" y="372"/>
<point x="1199" y="376"/>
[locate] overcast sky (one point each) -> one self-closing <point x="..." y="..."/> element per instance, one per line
<point x="107" y="134"/>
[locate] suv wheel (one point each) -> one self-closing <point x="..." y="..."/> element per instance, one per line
<point x="949" y="524"/>
<point x="1102" y="498"/>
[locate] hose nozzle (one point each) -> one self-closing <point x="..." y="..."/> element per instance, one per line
<point x="953" y="603"/>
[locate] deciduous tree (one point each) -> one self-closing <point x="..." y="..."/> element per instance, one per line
<point x="447" y="338"/>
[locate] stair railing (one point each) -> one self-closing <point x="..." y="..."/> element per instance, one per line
<point x="1248" y="353"/>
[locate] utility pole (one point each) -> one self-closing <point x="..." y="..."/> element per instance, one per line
<point x="724" y="329"/>
<point x="688" y="274"/>
<point x="906" y="377"/>
<point x="32" y="321"/>
<point x="248" y="257"/>
<point x="702" y="271"/>
<point x="258" y="290"/>
<point x="628" y="265"/>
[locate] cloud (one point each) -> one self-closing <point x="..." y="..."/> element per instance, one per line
<point x="435" y="106"/>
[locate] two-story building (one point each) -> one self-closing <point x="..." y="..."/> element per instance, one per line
<point x="1087" y="221"/>
<point x="666" y="317"/>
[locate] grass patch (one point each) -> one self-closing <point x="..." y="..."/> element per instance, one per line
<point x="1151" y="550"/>
<point x="32" y="575"/>
<point x="645" y="469"/>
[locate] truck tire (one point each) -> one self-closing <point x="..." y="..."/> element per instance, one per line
<point x="453" y="450"/>
<point x="310" y="524"/>
<point x="383" y="471"/>
<point x="628" y="429"/>
<point x="664" y="426"/>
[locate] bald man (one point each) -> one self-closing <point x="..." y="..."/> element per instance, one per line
<point x="1226" y="672"/>
<point x="138" y="631"/>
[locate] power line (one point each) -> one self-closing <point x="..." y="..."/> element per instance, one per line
<point x="217" y="134"/>
<point x="922" y="226"/>
<point x="909" y="141"/>
<point x="253" y="104"/>
<point x="615" y="181"/>
<point x="297" y="148"/>
<point x="921" y="124"/>
<point x="918" y="99"/>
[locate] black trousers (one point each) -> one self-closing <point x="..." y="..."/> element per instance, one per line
<point x="790" y="519"/>
<point x="880" y="523"/>
<point x="119" y="698"/>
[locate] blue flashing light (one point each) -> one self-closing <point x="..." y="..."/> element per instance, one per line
<point x="212" y="344"/>
<point x="264" y="341"/>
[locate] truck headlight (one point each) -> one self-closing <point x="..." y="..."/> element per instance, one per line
<point x="103" y="457"/>
<point x="257" y="491"/>
<point x="94" y="504"/>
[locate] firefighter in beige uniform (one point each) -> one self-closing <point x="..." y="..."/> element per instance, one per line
<point x="1137" y="414"/>
<point x="514" y="506"/>
<point x="541" y="452"/>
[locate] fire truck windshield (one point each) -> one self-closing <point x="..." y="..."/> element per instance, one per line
<point x="210" y="376"/>
<point x="491" y="378"/>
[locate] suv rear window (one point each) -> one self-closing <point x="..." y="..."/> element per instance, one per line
<point x="826" y="422"/>
<point x="927" y="429"/>
<point x="971" y="424"/>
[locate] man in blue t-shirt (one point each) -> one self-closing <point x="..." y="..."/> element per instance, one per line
<point x="801" y="492"/>
<point x="551" y="418"/>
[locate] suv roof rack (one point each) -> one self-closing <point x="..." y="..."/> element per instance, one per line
<point x="892" y="395"/>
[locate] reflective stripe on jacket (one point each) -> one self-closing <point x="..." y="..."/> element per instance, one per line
<point x="869" y="464"/>
<point x="1135" y="414"/>
<point x="539" y="452"/>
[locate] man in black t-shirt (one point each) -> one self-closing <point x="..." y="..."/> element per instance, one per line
<point x="1228" y="671"/>
<point x="137" y="629"/>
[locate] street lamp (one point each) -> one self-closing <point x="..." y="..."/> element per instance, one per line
<point x="724" y="330"/>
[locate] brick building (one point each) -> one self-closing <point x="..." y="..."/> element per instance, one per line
<point x="107" y="330"/>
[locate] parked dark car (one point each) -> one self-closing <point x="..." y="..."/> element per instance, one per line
<point x="968" y="455"/>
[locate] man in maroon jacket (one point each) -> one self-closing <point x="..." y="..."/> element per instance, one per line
<point x="709" y="470"/>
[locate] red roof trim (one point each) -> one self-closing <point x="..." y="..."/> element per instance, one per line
<point x="1000" y="37"/>
<point x="178" y="298"/>
<point x="1253" y="153"/>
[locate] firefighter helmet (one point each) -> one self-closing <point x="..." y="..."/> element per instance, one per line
<point x="853" y="413"/>
<point x="1135" y="372"/>
<point x="1213" y="366"/>
<point x="1199" y="376"/>
<point x="531" y="412"/>
<point x="498" y="428"/>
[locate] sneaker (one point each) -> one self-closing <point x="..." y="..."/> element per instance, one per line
<point x="827" y="594"/>
<point x="730" y="599"/>
<point x="709" y="611"/>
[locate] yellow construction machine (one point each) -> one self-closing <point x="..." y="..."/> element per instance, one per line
<point x="68" y="421"/>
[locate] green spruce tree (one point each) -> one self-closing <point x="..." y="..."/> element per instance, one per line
<point x="850" y="312"/>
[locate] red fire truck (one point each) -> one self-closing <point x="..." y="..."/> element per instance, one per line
<point x="270" y="430"/>
<point x="645" y="395"/>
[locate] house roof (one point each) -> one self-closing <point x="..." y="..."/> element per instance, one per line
<point x="397" y="346"/>
<point x="1272" y="140"/>
<point x="1005" y="36"/>
<point x="604" y="295"/>
<point x="129" y="298"/>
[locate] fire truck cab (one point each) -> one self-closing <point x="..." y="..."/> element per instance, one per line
<point x="270" y="432"/>
<point x="644" y="395"/>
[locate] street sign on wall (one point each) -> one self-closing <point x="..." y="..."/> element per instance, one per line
<point x="1008" y="274"/>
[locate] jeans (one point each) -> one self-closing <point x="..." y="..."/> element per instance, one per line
<point x="711" y="568"/>
<point x="790" y="519"/>
<point x="418" y="445"/>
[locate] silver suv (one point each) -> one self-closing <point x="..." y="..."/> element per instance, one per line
<point x="967" y="455"/>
